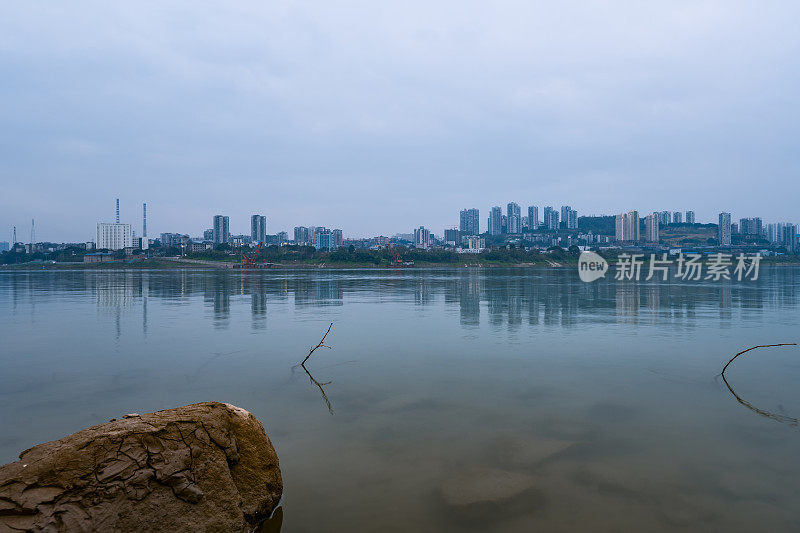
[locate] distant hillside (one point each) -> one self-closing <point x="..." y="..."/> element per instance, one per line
<point x="687" y="234"/>
<point x="602" y="225"/>
<point x="671" y="234"/>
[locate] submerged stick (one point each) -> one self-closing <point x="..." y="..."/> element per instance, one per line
<point x="313" y="380"/>
<point x="320" y="345"/>
<point x="763" y="412"/>
<point x="321" y="389"/>
<point x="786" y="419"/>
<point x="740" y="353"/>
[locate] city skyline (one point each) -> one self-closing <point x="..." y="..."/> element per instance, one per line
<point x="470" y="216"/>
<point x="241" y="223"/>
<point x="302" y="122"/>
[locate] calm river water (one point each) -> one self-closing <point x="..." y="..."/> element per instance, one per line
<point x="461" y="399"/>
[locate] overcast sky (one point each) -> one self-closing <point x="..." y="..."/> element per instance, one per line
<point x="376" y="117"/>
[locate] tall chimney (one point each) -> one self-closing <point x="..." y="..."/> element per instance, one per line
<point x="117" y="210"/>
<point x="144" y="220"/>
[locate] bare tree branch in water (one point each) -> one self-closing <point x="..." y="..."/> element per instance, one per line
<point x="320" y="345"/>
<point x="779" y="418"/>
<point x="313" y="380"/>
<point x="321" y="389"/>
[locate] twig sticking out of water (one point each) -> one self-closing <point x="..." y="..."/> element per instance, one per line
<point x="313" y="380"/>
<point x="732" y="358"/>
<point x="320" y="345"/>
<point x="779" y="418"/>
<point x="321" y="389"/>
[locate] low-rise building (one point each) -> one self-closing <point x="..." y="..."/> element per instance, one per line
<point x="101" y="257"/>
<point x="114" y="236"/>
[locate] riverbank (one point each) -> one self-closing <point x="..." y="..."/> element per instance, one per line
<point x="171" y="263"/>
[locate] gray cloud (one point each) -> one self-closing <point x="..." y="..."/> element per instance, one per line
<point x="376" y="117"/>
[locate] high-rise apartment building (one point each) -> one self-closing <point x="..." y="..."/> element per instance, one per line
<point x="790" y="237"/>
<point x="651" y="227"/>
<point x="452" y="236"/>
<point x="569" y="217"/>
<point x="677" y="217"/>
<point x="468" y="222"/>
<point x="533" y="217"/>
<point x="324" y="239"/>
<point x="258" y="228"/>
<point x="495" y="221"/>
<point x="300" y="235"/>
<point x="550" y="218"/>
<point x="774" y="232"/>
<point x="690" y="217"/>
<point x="221" y="229"/>
<point x="751" y="226"/>
<point x="627" y="226"/>
<point x="338" y="237"/>
<point x="747" y="226"/>
<point x="514" y="217"/>
<point x="724" y="230"/>
<point x="546" y="216"/>
<point x="422" y="237"/>
<point x="664" y="217"/>
<point x="113" y="236"/>
<point x="208" y="235"/>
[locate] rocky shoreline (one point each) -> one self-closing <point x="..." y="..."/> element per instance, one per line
<point x="202" y="467"/>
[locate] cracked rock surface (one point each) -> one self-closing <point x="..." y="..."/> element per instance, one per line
<point x="203" y="467"/>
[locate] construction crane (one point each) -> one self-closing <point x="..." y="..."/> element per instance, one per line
<point x="398" y="261"/>
<point x="250" y="260"/>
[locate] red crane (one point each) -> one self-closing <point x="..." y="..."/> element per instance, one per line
<point x="398" y="261"/>
<point x="250" y="260"/>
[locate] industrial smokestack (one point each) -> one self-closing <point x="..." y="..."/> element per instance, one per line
<point x="144" y="220"/>
<point x="33" y="232"/>
<point x="15" y="235"/>
<point x="117" y="210"/>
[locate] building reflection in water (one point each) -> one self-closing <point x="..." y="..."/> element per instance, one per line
<point x="258" y="309"/>
<point x="504" y="298"/>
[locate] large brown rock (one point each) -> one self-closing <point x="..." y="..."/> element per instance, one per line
<point x="203" y="467"/>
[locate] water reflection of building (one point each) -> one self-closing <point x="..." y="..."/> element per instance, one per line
<point x="627" y="297"/>
<point x="217" y="292"/>
<point x="725" y="302"/>
<point x="317" y="291"/>
<point x="258" y="309"/>
<point x="506" y="298"/>
<point x="469" y="287"/>
<point x="423" y="290"/>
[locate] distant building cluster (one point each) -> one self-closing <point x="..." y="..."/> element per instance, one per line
<point x="319" y="237"/>
<point x="627" y="227"/>
<point x="510" y="226"/>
